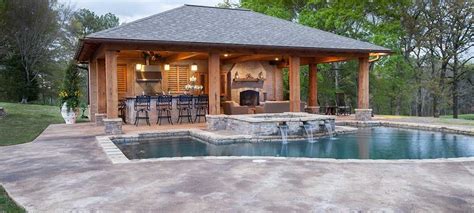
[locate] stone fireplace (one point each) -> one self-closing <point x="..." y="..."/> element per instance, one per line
<point x="249" y="98"/>
<point x="253" y="91"/>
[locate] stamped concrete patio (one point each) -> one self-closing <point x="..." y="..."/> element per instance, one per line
<point x="65" y="170"/>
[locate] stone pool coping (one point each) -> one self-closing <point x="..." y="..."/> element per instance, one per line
<point x="406" y="125"/>
<point x="116" y="156"/>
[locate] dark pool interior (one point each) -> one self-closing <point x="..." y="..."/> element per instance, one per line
<point x="366" y="143"/>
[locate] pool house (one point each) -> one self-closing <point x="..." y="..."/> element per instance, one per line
<point x="231" y="58"/>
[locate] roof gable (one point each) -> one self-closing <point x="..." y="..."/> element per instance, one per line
<point x="200" y="24"/>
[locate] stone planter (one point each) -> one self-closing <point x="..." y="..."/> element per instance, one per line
<point x="69" y="116"/>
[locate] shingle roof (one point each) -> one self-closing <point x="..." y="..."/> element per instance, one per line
<point x="200" y="24"/>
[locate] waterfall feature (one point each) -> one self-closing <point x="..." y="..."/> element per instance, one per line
<point x="309" y="128"/>
<point x="328" y="127"/>
<point x="284" y="133"/>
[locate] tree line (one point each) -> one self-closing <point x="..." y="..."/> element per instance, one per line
<point x="38" y="39"/>
<point x="430" y="72"/>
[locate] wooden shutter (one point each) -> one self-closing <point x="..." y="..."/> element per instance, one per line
<point x="178" y="77"/>
<point x="122" y="79"/>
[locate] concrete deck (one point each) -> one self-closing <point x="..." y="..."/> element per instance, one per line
<point x="65" y="170"/>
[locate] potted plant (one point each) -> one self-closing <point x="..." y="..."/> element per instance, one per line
<point x="69" y="95"/>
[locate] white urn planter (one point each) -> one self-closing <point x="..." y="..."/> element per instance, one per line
<point x="68" y="116"/>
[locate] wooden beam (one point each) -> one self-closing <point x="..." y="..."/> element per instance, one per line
<point x="235" y="49"/>
<point x="332" y="59"/>
<point x="214" y="84"/>
<point x="313" y="85"/>
<point x="93" y="89"/>
<point x="111" y="83"/>
<point x="294" y="78"/>
<point x="248" y="58"/>
<point x="181" y="56"/>
<point x="278" y="84"/>
<point x="99" y="52"/>
<point x="363" y="84"/>
<point x="101" y="87"/>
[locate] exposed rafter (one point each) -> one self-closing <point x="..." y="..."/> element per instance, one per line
<point x="181" y="56"/>
<point x="248" y="58"/>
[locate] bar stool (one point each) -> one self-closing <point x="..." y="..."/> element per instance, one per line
<point x="202" y="106"/>
<point x="142" y="105"/>
<point x="185" y="105"/>
<point x="122" y="108"/>
<point x="164" y="104"/>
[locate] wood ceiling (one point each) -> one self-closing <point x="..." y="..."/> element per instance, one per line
<point x="232" y="58"/>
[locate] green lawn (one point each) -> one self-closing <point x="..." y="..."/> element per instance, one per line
<point x="7" y="204"/>
<point x="24" y="122"/>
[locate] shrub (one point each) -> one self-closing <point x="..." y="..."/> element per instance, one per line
<point x="70" y="91"/>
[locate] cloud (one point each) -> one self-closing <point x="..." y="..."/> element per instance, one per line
<point x="130" y="10"/>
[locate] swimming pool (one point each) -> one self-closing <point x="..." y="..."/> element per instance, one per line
<point x="366" y="143"/>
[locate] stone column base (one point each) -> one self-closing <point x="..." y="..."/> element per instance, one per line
<point x="113" y="126"/>
<point x="312" y="109"/>
<point x="363" y="114"/>
<point x="99" y="119"/>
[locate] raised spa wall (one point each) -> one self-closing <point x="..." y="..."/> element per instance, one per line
<point x="268" y="124"/>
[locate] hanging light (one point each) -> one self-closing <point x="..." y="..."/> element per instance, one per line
<point x="194" y="67"/>
<point x="226" y="55"/>
<point x="167" y="67"/>
<point x="138" y="67"/>
<point x="277" y="59"/>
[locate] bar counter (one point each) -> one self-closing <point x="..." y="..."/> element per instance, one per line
<point x="130" y="111"/>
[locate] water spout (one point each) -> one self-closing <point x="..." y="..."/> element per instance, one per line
<point x="328" y="128"/>
<point x="284" y="132"/>
<point x="309" y="128"/>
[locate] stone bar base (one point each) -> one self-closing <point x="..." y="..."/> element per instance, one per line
<point x="313" y="109"/>
<point x="363" y="114"/>
<point x="99" y="119"/>
<point x="113" y="126"/>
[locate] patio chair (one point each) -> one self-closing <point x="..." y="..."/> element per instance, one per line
<point x="185" y="106"/>
<point x="164" y="104"/>
<point x="142" y="106"/>
<point x="341" y="107"/>
<point x="202" y="107"/>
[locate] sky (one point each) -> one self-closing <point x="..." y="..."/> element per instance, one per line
<point x="130" y="10"/>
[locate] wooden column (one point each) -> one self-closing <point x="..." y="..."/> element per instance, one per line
<point x="93" y="90"/>
<point x="101" y="91"/>
<point x="278" y="84"/>
<point x="363" y="87"/>
<point x="214" y="84"/>
<point x="111" y="83"/>
<point x="294" y="81"/>
<point x="313" y="85"/>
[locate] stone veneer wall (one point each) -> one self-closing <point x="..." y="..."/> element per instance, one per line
<point x="224" y="122"/>
<point x="253" y="68"/>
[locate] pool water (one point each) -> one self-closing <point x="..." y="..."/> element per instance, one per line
<point x="367" y="143"/>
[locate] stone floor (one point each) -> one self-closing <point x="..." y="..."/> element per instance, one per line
<point x="65" y="170"/>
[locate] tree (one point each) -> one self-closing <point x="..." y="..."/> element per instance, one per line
<point x="30" y="28"/>
<point x="461" y="34"/>
<point x="85" y="22"/>
<point x="228" y="4"/>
